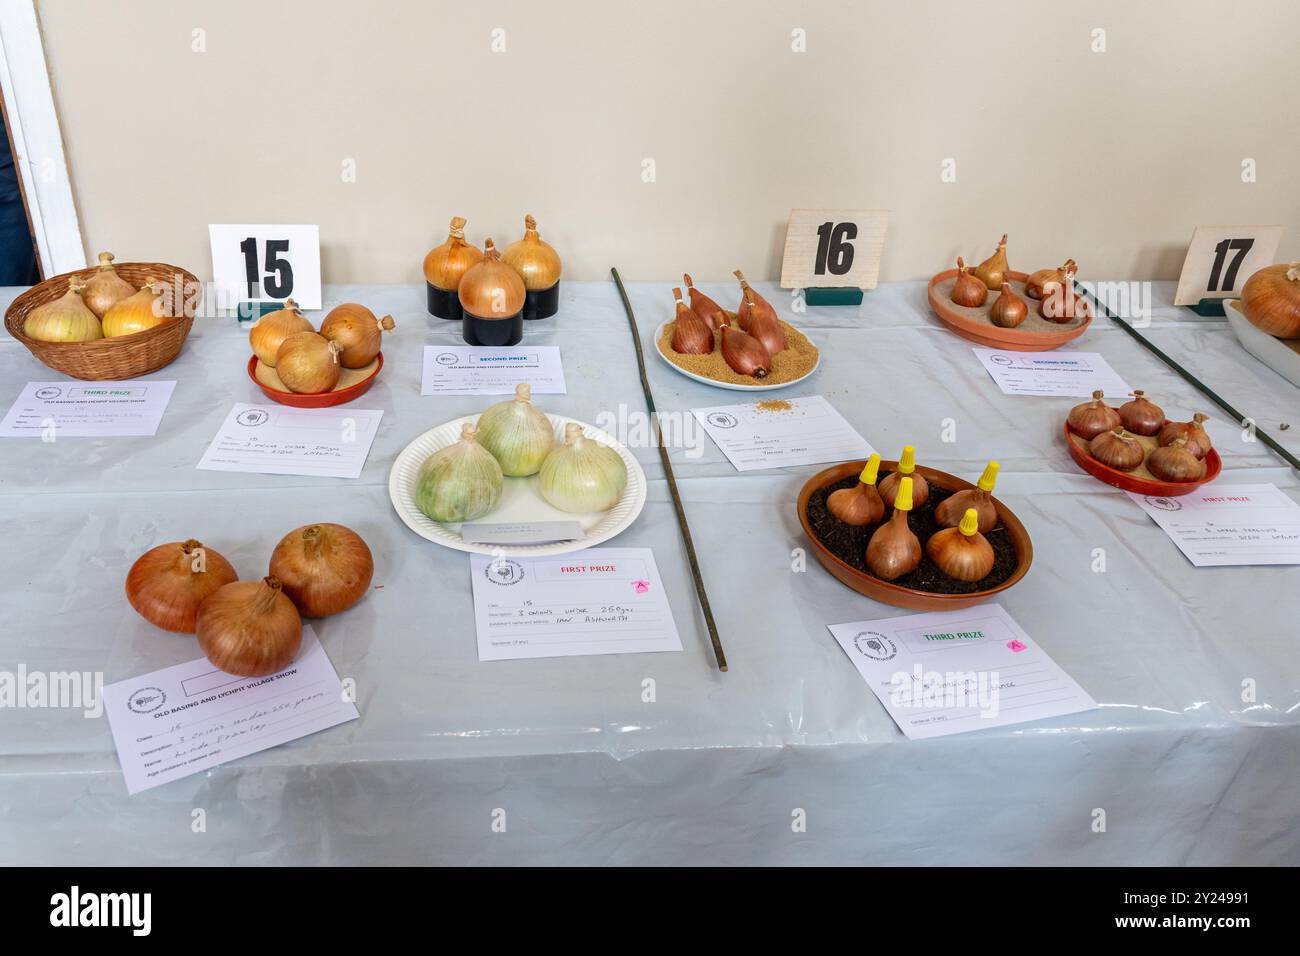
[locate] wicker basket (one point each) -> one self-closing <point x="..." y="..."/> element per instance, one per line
<point x="121" y="357"/>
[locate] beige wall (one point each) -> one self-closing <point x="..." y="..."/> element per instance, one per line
<point x="1110" y="158"/>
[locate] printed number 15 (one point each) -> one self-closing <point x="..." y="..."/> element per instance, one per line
<point x="278" y="280"/>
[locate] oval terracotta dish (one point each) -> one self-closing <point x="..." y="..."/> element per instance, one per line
<point x="1142" y="483"/>
<point x="895" y="594"/>
<point x="1032" y="335"/>
<point x="352" y="383"/>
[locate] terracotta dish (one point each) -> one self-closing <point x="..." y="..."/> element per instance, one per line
<point x="1035" y="334"/>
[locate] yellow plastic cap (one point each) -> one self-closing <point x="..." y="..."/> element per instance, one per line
<point x="970" y="522"/>
<point x="868" y="476"/>
<point x="904" y="500"/>
<point x="990" y="476"/>
<point x="907" y="464"/>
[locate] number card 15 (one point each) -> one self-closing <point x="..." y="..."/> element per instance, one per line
<point x="266" y="263"/>
<point x="833" y="248"/>
<point x="1221" y="259"/>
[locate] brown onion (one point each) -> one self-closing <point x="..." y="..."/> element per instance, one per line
<point x="324" y="568"/>
<point x="1142" y="416"/>
<point x="1062" y="304"/>
<point x="445" y="264"/>
<point x="1175" y="462"/>
<point x="167" y="584"/>
<point x="273" y="328"/>
<point x="906" y="469"/>
<point x="992" y="271"/>
<point x="1270" y="300"/>
<point x="249" y="628"/>
<point x="533" y="258"/>
<point x="490" y="289"/>
<point x="1198" y="439"/>
<point x="1044" y="280"/>
<point x="962" y="552"/>
<point x="860" y="504"/>
<point x="744" y="353"/>
<point x="764" y="326"/>
<point x="894" y="550"/>
<point x="1092" y="418"/>
<point x="968" y="290"/>
<point x="1117" y="449"/>
<point x="105" y="288"/>
<point x="691" y="334"/>
<point x="355" y="328"/>
<point x="704" y="307"/>
<point x="1008" y="309"/>
<point x="749" y="307"/>
<point x="308" y="363"/>
<point x="979" y="499"/>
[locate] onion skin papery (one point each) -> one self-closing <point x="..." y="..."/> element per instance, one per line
<point x="1117" y="449"/>
<point x="323" y="568"/>
<point x="764" y="326"/>
<point x="751" y="303"/>
<point x="136" y="313"/>
<point x="273" y="328"/>
<point x="461" y="482"/>
<point x="167" y="584"/>
<point x="1270" y="300"/>
<point x="249" y="628"/>
<point x="106" y="288"/>
<point x="582" y="475"/>
<point x="308" y="363"/>
<point x="66" y="319"/>
<point x="894" y="550"/>
<point x="992" y="271"/>
<point x="1008" y="310"/>
<point x="446" y="264"/>
<point x="1090" y="419"/>
<point x="861" y="504"/>
<point x="517" y="434"/>
<point x="962" y="553"/>
<point x="979" y="499"/>
<point x="744" y="353"/>
<point x="357" y="331"/>
<point x="1198" y="439"/>
<point x="1062" y="304"/>
<point x="1175" y="462"/>
<point x="967" y="290"/>
<point x="1044" y="280"/>
<point x="704" y="307"/>
<point x="491" y="289"/>
<point x="692" y="335"/>
<point x="536" y="260"/>
<point x="1142" y="416"/>
<point x="906" y="469"/>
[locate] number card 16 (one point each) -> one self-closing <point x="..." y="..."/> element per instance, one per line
<point x="266" y="263"/>
<point x="833" y="248"/>
<point x="1221" y="258"/>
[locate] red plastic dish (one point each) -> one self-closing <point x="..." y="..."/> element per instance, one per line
<point x="320" y="399"/>
<point x="1135" y="483"/>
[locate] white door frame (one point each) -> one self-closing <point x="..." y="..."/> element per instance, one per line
<point x="38" y="144"/>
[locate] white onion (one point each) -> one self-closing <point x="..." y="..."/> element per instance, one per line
<point x="517" y="433"/>
<point x="460" y="482"/>
<point x="582" y="475"/>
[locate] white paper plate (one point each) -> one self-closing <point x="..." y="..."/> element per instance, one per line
<point x="520" y="500"/>
<point x="654" y="344"/>
<point x="1269" y="349"/>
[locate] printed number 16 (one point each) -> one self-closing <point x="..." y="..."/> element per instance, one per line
<point x="278" y="281"/>
<point x="835" y="248"/>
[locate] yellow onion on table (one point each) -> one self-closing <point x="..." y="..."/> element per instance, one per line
<point x="751" y="303"/>
<point x="582" y="475"/>
<point x="967" y="290"/>
<point x="861" y="504"/>
<point x="1142" y="416"/>
<point x="270" y="330"/>
<point x="979" y="499"/>
<point x="1175" y="462"/>
<point x="704" y="307"/>
<point x="1090" y="419"/>
<point x="446" y="264"/>
<point x="535" y="259"/>
<point x="249" y="628"/>
<point x="167" y="584"/>
<point x="1117" y="449"/>
<point x="355" y="328"/>
<point x="992" y="271"/>
<point x="744" y="354"/>
<point x="1270" y="300"/>
<point x="323" y="568"/>
<point x="491" y="289"/>
<point x="894" y="550"/>
<point x="1008" y="309"/>
<point x="105" y="288"/>
<point x="136" y="313"/>
<point x="517" y="434"/>
<point x="1198" y="439"/>
<point x="692" y="335"/>
<point x="962" y="553"/>
<point x="906" y="471"/>
<point x="308" y="363"/>
<point x="461" y="482"/>
<point x="1043" y="281"/>
<point x="65" y="319"/>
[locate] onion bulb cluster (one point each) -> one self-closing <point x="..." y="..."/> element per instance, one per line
<point x="581" y="475"/>
<point x="309" y="362"/>
<point x="1137" y="433"/>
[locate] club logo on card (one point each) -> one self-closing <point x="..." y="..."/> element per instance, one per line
<point x="1000" y="359"/>
<point x="252" y="417"/>
<point x="723" y="420"/>
<point x="49" y="392"/>
<point x="875" y="645"/>
<point x="145" y="700"/>
<point x="504" y="572"/>
<point x="445" y="358"/>
<point x="1164" y="504"/>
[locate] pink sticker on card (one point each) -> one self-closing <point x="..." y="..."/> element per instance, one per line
<point x="1016" y="646"/>
<point x="641" y="587"/>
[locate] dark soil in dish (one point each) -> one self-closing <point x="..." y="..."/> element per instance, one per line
<point x="849" y="543"/>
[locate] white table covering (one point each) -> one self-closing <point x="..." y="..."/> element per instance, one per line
<point x="714" y="770"/>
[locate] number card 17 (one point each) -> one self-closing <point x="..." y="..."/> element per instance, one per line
<point x="266" y="263"/>
<point x="1221" y="258"/>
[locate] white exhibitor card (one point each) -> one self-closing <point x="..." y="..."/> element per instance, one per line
<point x="1221" y="525"/>
<point x="598" y="601"/>
<point x="1060" y="373"/>
<point x="954" y="671"/>
<point x="466" y="370"/>
<point x="192" y="717"/>
<point x="279" y="440"/>
<point x="54" y="410"/>
<point x="779" y="433"/>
